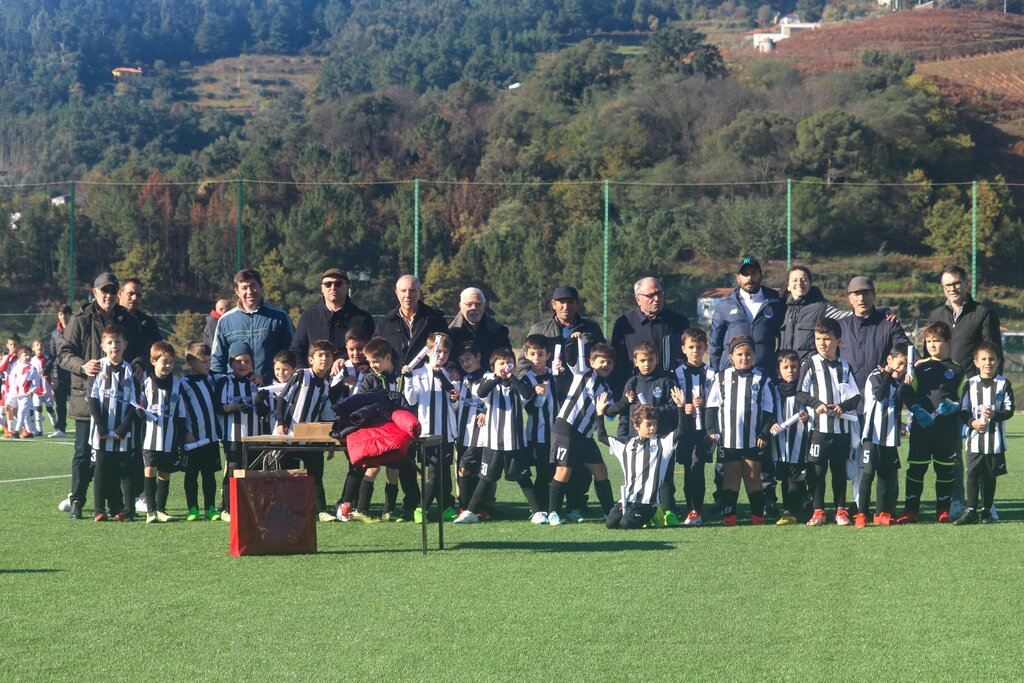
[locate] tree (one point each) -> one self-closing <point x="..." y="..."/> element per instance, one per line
<point x="832" y="144"/>
<point x="683" y="50"/>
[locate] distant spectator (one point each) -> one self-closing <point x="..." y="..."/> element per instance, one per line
<point x="219" y="309"/>
<point x="330" y="318"/>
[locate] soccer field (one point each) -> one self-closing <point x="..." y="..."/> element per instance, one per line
<point x="506" y="600"/>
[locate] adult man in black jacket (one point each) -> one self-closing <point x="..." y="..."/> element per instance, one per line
<point x="130" y="297"/>
<point x="330" y="318"/>
<point x="407" y="326"/>
<point x="565" y="325"/>
<point x="970" y="322"/>
<point x="868" y="334"/>
<point x="805" y="305"/>
<point x="651" y="321"/>
<point x="475" y="324"/>
<point x="80" y="354"/>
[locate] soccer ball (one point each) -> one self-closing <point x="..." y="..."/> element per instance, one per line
<point x="64" y="505"/>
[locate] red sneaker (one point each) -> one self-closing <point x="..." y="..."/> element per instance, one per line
<point x="842" y="517"/>
<point x="729" y="520"/>
<point x="817" y="519"/>
<point x="25" y="434"/>
<point x="860" y="520"/>
<point x="483" y="515"/>
<point x="944" y="517"/>
<point x="100" y="517"/>
<point x="757" y="520"/>
<point x="909" y="517"/>
<point x="883" y="519"/>
<point x="120" y="517"/>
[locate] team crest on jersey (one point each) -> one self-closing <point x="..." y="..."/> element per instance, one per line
<point x="734" y="311"/>
<point x="658" y="393"/>
<point x="949" y="374"/>
<point x="768" y="313"/>
<point x="755" y="387"/>
<point x="653" y="448"/>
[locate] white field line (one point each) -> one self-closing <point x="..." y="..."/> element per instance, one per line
<point x="15" y="481"/>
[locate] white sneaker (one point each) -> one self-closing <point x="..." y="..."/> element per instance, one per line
<point x="577" y="516"/>
<point x="993" y="513"/>
<point x="466" y="517"/>
<point x="693" y="519"/>
<point x="956" y="509"/>
<point x="56" y="435"/>
<point x="539" y="518"/>
<point x="140" y="504"/>
<point x="554" y="519"/>
<point x="64" y="505"/>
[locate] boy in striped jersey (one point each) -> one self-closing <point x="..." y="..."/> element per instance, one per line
<point x="934" y="399"/>
<point x="505" y="451"/>
<point x="739" y="415"/>
<point x="986" y="406"/>
<point x="203" y="460"/>
<point x="540" y="413"/>
<point x="572" y="434"/>
<point x="881" y="438"/>
<point x="235" y="395"/>
<point x="789" y="444"/>
<point x="694" y="450"/>
<point x="308" y="397"/>
<point x="111" y="394"/>
<point x="350" y="374"/>
<point x="165" y="421"/>
<point x="650" y="385"/>
<point x="645" y="460"/>
<point x="43" y="398"/>
<point x="828" y="389"/>
<point x="470" y="424"/>
<point x="429" y="388"/>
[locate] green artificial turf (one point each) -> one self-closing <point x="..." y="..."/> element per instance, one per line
<point x="505" y="601"/>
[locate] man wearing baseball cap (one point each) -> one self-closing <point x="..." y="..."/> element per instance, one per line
<point x="751" y="310"/>
<point x="330" y="318"/>
<point x="868" y="334"/>
<point x="566" y="324"/>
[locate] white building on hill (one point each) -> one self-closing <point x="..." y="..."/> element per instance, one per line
<point x="788" y="26"/>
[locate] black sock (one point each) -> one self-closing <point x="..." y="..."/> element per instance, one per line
<point x="476" y="501"/>
<point x="555" y="496"/>
<point x="390" y="497"/>
<point x="467" y="486"/>
<point x="149" y="491"/>
<point x="867" y="478"/>
<point x="604" y="494"/>
<point x="365" y="494"/>
<point x="191" y="485"/>
<point x="530" y="495"/>
<point x="756" y="503"/>
<point x="209" y="489"/>
<point x="350" y="492"/>
<point x="163" y="486"/>
<point x="972" y="489"/>
<point x="888" y="487"/>
<point x="988" y="491"/>
<point x="728" y="499"/>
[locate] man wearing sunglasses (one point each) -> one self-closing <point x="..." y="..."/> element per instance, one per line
<point x="651" y="321"/>
<point x="330" y="318"/>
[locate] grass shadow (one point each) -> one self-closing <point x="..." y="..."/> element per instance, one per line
<point x="610" y="546"/>
<point x="30" y="571"/>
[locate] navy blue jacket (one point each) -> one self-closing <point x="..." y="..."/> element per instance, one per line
<point x="317" y="322"/>
<point x="407" y="343"/>
<point x="732" y="320"/>
<point x="866" y="342"/>
<point x="665" y="332"/>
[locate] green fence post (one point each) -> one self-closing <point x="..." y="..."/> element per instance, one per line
<point x="71" y="249"/>
<point x="789" y="223"/>
<point x="238" y="227"/>
<point x="606" y="240"/>
<point x="416" y="228"/>
<point x="974" y="239"/>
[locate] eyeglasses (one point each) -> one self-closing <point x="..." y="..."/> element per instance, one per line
<point x="658" y="294"/>
<point x="953" y="285"/>
<point x="330" y="284"/>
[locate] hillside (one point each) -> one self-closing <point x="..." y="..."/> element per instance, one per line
<point x="241" y="84"/>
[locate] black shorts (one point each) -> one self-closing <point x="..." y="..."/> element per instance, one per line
<point x="876" y="458"/>
<point x="828" y="448"/>
<point x="513" y="463"/>
<point x="204" y="459"/>
<point x="695" y="448"/>
<point x="165" y="462"/>
<point x="570" y="450"/>
<point x="738" y="454"/>
<point x="469" y="458"/>
<point x="995" y="463"/>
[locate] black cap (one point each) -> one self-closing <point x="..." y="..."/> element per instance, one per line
<point x="749" y="263"/>
<point x="565" y="292"/>
<point x="740" y="341"/>
<point x="105" y="280"/>
<point x="335" y="272"/>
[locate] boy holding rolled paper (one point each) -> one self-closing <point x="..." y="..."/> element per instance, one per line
<point x="200" y="389"/>
<point x="239" y="413"/>
<point x="540" y="413"/>
<point x="789" y="438"/>
<point x="694" y="450"/>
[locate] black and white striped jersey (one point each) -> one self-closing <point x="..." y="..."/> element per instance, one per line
<point x="695" y="382"/>
<point x="166" y="415"/>
<point x="234" y="425"/>
<point x="789" y="445"/>
<point x="540" y="410"/>
<point x="644" y="463"/>
<point x="739" y="405"/>
<point x="579" y="408"/>
<point x="349" y="369"/>
<point x="111" y="394"/>
<point x="471" y="434"/>
<point x="882" y="409"/>
<point x="435" y="409"/>
<point x="503" y="401"/>
<point x="828" y="382"/>
<point x="200" y="402"/>
<point x="305" y="398"/>
<point x="997" y="394"/>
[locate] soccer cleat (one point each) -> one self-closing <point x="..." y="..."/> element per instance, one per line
<point x="140" y="504"/>
<point x="151" y="518"/>
<point x="757" y="520"/>
<point x="56" y="435"/>
<point x="120" y="517"/>
<point x="818" y="519"/>
<point x="193" y="515"/>
<point x="100" y="517"/>
<point x="729" y="520"/>
<point x="449" y="514"/>
<point x="225" y="516"/>
<point x="993" y="513"/>
<point x="10" y="435"/>
<point x="944" y="517"/>
<point x="212" y="514"/>
<point x="693" y="519"/>
<point x="786" y="518"/>
<point x="76" y="510"/>
<point x="970" y="516"/>
<point x="909" y="517"/>
<point x="326" y="516"/>
<point x="860" y="520"/>
<point x="484" y="515"/>
<point x="842" y="517"/>
<point x="467" y="517"/>
<point x="344" y="510"/>
<point x="956" y="509"/>
<point x="64" y="505"/>
<point x="554" y="519"/>
<point x="576" y="516"/>
<point x="671" y="519"/>
<point x="417" y="516"/>
<point x="363" y="517"/>
<point x="539" y="517"/>
<point x="25" y="434"/>
<point x="390" y="517"/>
<point x="163" y="516"/>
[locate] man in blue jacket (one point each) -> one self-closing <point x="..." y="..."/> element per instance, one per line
<point x="750" y="310"/>
<point x="265" y="328"/>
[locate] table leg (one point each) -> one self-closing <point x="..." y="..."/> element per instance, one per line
<point x="423" y="486"/>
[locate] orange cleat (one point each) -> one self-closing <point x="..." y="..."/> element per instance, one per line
<point x="817" y="519"/>
<point x="944" y="517"/>
<point x="860" y="521"/>
<point x="909" y="517"/>
<point x="729" y="520"/>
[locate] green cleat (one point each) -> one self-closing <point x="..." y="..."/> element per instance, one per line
<point x="671" y="519"/>
<point x="193" y="515"/>
<point x="417" y="516"/>
<point x="449" y="514"/>
<point x="151" y="518"/>
<point x="212" y="514"/>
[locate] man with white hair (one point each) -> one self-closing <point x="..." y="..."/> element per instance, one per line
<point x="651" y="321"/>
<point x="408" y="326"/>
<point x="474" y="323"/>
